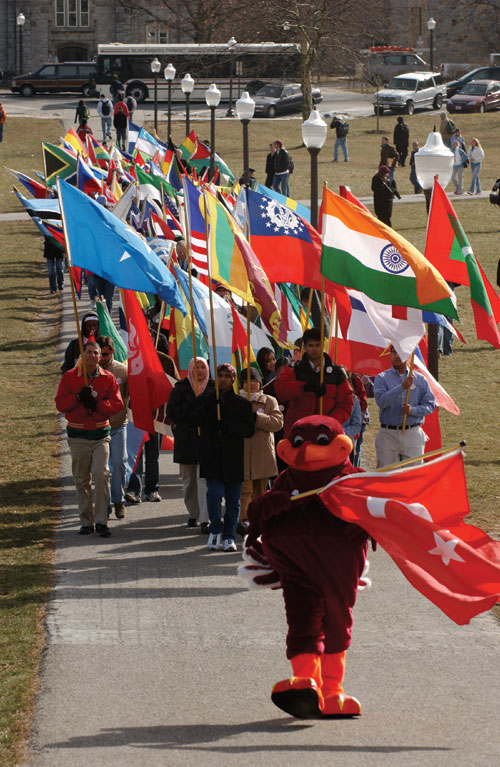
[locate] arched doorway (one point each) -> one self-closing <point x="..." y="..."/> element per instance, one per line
<point x="72" y="53"/>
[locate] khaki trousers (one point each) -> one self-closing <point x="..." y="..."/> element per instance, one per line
<point x="392" y="446"/>
<point x="250" y="489"/>
<point x="89" y="461"/>
<point x="194" y="489"/>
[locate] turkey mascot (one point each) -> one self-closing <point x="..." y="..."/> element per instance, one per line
<point x="318" y="559"/>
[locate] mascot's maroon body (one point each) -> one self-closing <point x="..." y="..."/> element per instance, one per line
<point x="319" y="559"/>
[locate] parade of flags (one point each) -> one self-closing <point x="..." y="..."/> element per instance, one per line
<point x="111" y="249"/>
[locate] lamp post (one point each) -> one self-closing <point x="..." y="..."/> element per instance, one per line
<point x="212" y="97"/>
<point x="431" y="26"/>
<point x="20" y="21"/>
<point x="314" y="136"/>
<point x="230" y="112"/>
<point x="245" y="108"/>
<point x="169" y="73"/>
<point x="433" y="159"/>
<point x="155" y="68"/>
<point x="187" y="85"/>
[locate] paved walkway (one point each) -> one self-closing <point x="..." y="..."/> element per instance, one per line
<point x="156" y="654"/>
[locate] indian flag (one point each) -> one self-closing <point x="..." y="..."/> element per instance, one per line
<point x="360" y="252"/>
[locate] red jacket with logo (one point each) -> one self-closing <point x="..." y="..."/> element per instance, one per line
<point x="109" y="399"/>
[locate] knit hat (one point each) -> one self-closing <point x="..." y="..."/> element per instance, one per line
<point x="254" y="376"/>
<point x="228" y="368"/>
<point x="383" y="170"/>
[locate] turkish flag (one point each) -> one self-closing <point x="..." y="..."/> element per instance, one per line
<point x="416" y="514"/>
<point x="148" y="385"/>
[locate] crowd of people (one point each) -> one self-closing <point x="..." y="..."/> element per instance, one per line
<point x="225" y="429"/>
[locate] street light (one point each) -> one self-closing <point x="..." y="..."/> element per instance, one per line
<point x="155" y="68"/>
<point x="169" y="73"/>
<point x="212" y="97"/>
<point x="230" y="112"/>
<point x="245" y="108"/>
<point x="431" y="26"/>
<point x="187" y="85"/>
<point x="433" y="159"/>
<point x="314" y="136"/>
<point x="20" y="21"/>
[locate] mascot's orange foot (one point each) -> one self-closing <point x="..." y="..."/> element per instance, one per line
<point x="299" y="697"/>
<point x="337" y="705"/>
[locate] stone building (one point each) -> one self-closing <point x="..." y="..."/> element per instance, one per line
<point x="70" y="30"/>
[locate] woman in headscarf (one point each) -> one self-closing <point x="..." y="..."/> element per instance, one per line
<point x="186" y="439"/>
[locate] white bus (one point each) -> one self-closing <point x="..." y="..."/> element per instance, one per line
<point x="253" y="65"/>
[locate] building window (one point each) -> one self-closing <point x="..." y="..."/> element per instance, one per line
<point x="72" y="13"/>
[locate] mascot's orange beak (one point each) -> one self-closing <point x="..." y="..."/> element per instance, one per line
<point x="312" y="457"/>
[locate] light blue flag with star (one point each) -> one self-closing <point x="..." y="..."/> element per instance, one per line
<point x="102" y="243"/>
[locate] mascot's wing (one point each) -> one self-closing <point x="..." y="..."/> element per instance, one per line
<point x="256" y="570"/>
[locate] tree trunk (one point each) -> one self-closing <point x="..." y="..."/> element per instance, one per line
<point x="306" y="62"/>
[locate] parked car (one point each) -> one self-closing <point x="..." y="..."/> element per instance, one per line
<point x="476" y="96"/>
<point x="381" y="67"/>
<point x="415" y="90"/>
<point x="278" y="99"/>
<point x="484" y="73"/>
<point x="69" y="77"/>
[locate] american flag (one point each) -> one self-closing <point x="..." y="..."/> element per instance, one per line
<point x="196" y="226"/>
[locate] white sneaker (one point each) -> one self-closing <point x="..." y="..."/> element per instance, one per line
<point x="214" y="541"/>
<point x="229" y="545"/>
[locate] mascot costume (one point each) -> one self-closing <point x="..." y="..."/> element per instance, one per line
<point x="318" y="559"/>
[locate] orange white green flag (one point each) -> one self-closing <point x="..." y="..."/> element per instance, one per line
<point x="361" y="252"/>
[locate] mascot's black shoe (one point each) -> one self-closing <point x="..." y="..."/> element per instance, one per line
<point x="298" y="696"/>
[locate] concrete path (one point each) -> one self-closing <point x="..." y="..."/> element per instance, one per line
<point x="157" y="654"/>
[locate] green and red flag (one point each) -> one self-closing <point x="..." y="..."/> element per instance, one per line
<point x="448" y="248"/>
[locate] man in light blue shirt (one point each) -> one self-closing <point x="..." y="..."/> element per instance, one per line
<point x="390" y="389"/>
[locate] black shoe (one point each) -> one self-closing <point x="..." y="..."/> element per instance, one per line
<point x="205" y="528"/>
<point x="86" y="530"/>
<point x="103" y="531"/>
<point x="192" y="522"/>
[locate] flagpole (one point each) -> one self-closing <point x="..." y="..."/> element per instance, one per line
<point x="322" y="339"/>
<point x="67" y="251"/>
<point x="440" y="451"/>
<point x="211" y="302"/>
<point x="191" y="304"/>
<point x="163" y="309"/>
<point x="412" y="360"/>
<point x="249" y="378"/>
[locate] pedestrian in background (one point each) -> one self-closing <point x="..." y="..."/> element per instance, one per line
<point x="120" y="122"/>
<point x="55" y="263"/>
<point x="270" y="166"/>
<point x="476" y="157"/>
<point x="401" y="139"/>
<point x="105" y="112"/>
<point x="3" y="118"/>
<point x="413" y="172"/>
<point x="459" y="160"/>
<point x="341" y="131"/>
<point x="384" y="190"/>
<point x="388" y="152"/>
<point x="82" y="113"/>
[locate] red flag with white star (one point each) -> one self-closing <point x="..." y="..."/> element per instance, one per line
<point x="416" y="514"/>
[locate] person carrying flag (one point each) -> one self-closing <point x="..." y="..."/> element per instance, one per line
<point x="390" y="388"/>
<point x="87" y="408"/>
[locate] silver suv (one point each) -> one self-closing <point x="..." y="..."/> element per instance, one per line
<point x="415" y="90"/>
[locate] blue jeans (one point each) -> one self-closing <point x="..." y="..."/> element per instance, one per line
<point x="280" y="183"/>
<point x="216" y="491"/>
<point x="98" y="286"/>
<point x="358" y="445"/>
<point x="106" y="127"/>
<point x="414" y="180"/>
<point x="55" y="268"/>
<point x="152" y="473"/>
<point x="444" y="340"/>
<point x="475" y="185"/>
<point x="117" y="463"/>
<point x="340" y="142"/>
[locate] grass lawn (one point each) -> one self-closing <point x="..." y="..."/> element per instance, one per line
<point x="29" y="374"/>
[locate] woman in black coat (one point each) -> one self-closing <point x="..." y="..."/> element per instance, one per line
<point x="384" y="190"/>
<point x="180" y="405"/>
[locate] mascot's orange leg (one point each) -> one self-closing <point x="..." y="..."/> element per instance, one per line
<point x="336" y="702"/>
<point x="301" y="695"/>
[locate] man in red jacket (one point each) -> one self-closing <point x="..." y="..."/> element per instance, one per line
<point x="87" y="410"/>
<point x="300" y="386"/>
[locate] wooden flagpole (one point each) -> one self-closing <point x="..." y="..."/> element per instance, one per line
<point x="412" y="360"/>
<point x="67" y="252"/>
<point x="211" y="302"/>
<point x="322" y="339"/>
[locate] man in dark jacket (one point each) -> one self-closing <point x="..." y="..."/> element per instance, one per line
<point x="384" y="190"/>
<point x="281" y="169"/>
<point x="120" y="122"/>
<point x="270" y="166"/>
<point x="388" y="152"/>
<point x="300" y="386"/>
<point x="224" y="425"/>
<point x="401" y="139"/>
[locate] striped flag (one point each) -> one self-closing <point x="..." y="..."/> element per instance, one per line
<point x="194" y="205"/>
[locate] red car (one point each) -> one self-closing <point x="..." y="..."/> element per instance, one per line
<point x="476" y="96"/>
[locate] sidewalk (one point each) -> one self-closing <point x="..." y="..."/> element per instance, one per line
<point x="157" y="654"/>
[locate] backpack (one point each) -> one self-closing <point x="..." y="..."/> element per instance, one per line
<point x="130" y="103"/>
<point x="86" y="113"/>
<point x="105" y="108"/>
<point x="344" y="129"/>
